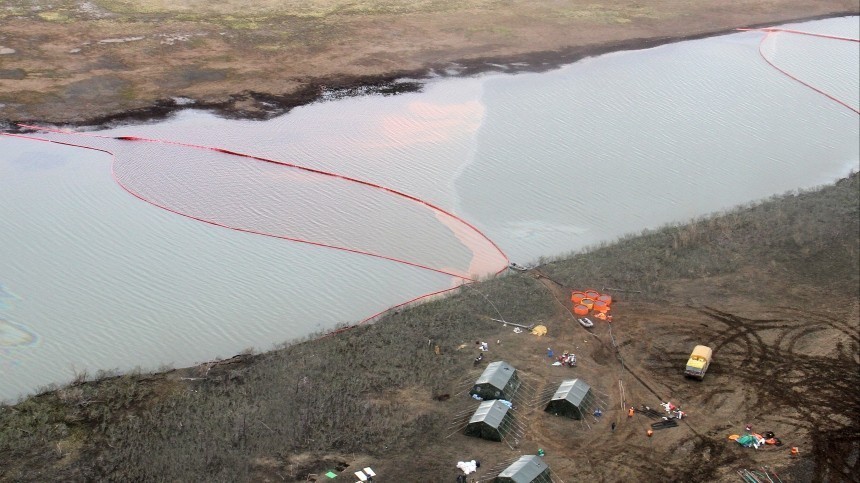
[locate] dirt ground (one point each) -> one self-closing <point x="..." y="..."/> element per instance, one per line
<point x="93" y="61"/>
<point x="780" y="368"/>
<point x="778" y="365"/>
<point x="786" y="352"/>
<point x="772" y="288"/>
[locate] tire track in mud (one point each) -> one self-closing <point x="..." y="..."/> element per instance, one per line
<point x="820" y="390"/>
<point x="643" y="456"/>
<point x="780" y="383"/>
<point x="814" y="393"/>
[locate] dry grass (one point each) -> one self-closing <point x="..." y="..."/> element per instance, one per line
<point x="281" y="52"/>
<point x="278" y="414"/>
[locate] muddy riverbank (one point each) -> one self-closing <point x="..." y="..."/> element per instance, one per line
<point x="102" y="62"/>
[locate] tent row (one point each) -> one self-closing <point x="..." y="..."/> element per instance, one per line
<point x="494" y="419"/>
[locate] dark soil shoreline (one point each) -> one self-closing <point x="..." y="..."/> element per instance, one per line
<point x="771" y="287"/>
<point x="253" y="105"/>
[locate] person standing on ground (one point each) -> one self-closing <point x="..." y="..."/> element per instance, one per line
<point x="613" y="426"/>
<point x="630" y="412"/>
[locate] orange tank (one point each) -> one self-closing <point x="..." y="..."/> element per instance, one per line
<point x="580" y="309"/>
<point x="587" y="302"/>
<point x="605" y="298"/>
<point x="576" y="297"/>
<point x="600" y="306"/>
<point x="592" y="294"/>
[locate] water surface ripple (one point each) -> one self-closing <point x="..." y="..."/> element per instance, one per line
<point x="541" y="163"/>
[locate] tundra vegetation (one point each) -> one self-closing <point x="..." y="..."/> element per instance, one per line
<point x="771" y="286"/>
<point x="95" y="61"/>
<point x="370" y="394"/>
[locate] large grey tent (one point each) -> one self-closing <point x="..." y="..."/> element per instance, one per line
<point x="527" y="469"/>
<point x="573" y="399"/>
<point x="498" y="381"/>
<point x="492" y="420"/>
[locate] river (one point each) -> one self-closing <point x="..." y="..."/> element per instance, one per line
<point x="543" y="164"/>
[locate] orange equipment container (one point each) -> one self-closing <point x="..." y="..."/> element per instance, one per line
<point x="587" y="302"/>
<point x="580" y="309"/>
<point x="600" y="306"/>
<point x="592" y="294"/>
<point x="576" y="297"/>
<point x="605" y="298"/>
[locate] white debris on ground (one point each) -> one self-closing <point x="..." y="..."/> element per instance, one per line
<point x="170" y="39"/>
<point x="121" y="40"/>
<point x="468" y="466"/>
<point x="6" y="50"/>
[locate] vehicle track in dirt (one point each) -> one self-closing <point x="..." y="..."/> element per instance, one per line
<point x="820" y="389"/>
<point x="782" y="371"/>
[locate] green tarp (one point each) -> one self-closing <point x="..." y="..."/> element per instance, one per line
<point x="746" y="440"/>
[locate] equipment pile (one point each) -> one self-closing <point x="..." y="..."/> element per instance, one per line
<point x="755" y="440"/>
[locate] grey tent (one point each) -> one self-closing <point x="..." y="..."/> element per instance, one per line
<point x="492" y="420"/>
<point x="498" y="381"/>
<point x="573" y="399"/>
<point x="527" y="469"/>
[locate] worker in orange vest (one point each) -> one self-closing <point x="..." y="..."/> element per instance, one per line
<point x="650" y="433"/>
<point x="794" y="451"/>
<point x="630" y="412"/>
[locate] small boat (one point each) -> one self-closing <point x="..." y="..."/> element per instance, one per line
<point x="586" y="322"/>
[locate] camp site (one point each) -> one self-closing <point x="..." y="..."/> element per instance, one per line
<point x="771" y="407"/>
<point x="392" y="241"/>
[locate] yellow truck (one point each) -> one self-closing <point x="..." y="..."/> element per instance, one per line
<point x="699" y="361"/>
